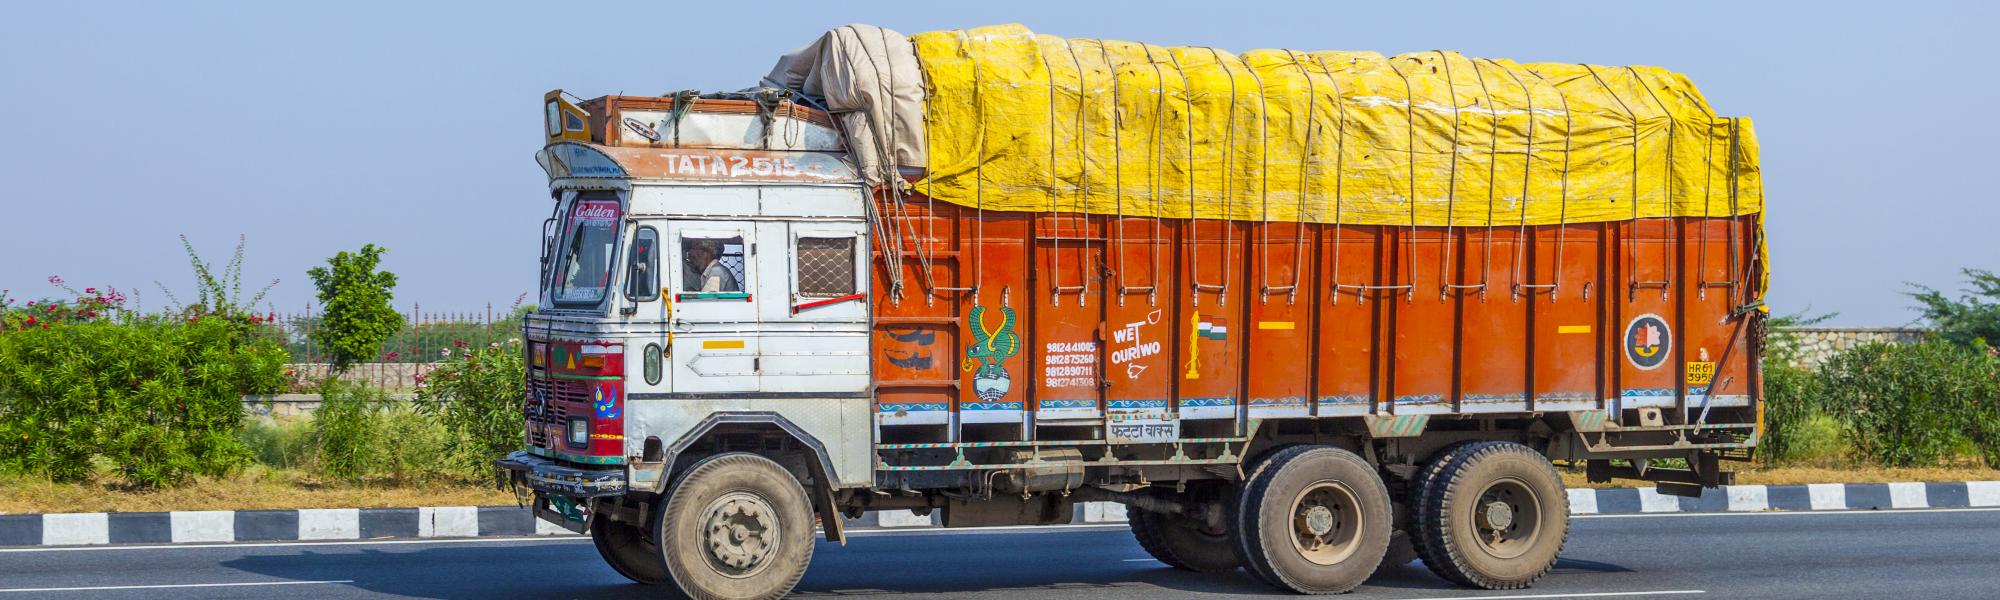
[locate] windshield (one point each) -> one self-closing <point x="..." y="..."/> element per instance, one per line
<point x="583" y="270"/>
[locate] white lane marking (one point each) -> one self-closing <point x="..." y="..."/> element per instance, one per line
<point x="1652" y="501"/>
<point x="1816" y="513"/>
<point x="1582" y="501"/>
<point x="202" y="526"/>
<point x="1827" y="496"/>
<point x="934" y="531"/>
<point x="492" y="540"/>
<point x="902" y="518"/>
<point x="448" y="521"/>
<point x="1748" y="497"/>
<point x="1983" y="493"/>
<point x="99" y="588"/>
<point x="1908" y="495"/>
<point x="330" y="524"/>
<point x="1577" y="595"/>
<point x="76" y="528"/>
<point x="1141" y="560"/>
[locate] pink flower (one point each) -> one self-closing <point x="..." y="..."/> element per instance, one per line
<point x="55" y="280"/>
<point x="393" y="355"/>
<point x="90" y="290"/>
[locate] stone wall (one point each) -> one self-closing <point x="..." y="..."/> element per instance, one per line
<point x="281" y="407"/>
<point x="1816" y="344"/>
<point x="388" y="376"/>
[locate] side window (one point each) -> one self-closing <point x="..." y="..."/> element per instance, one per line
<point x="642" y="283"/>
<point x="712" y="265"/>
<point x="826" y="267"/>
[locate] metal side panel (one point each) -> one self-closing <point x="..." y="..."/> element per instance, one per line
<point x="839" y="427"/>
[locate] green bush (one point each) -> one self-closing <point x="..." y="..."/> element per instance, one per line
<point x="1913" y="404"/>
<point x="281" y="445"/>
<point x="1792" y="404"/>
<point x="477" y="397"/>
<point x="157" y="398"/>
<point x="344" y="431"/>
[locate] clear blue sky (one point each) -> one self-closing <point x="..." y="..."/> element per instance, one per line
<point x="312" y="128"/>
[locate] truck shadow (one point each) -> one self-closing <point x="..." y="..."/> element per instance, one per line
<point x="1065" y="562"/>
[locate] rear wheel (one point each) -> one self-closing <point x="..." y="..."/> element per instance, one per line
<point x="1313" y="519"/>
<point x="629" y="549"/>
<point x="1183" y="542"/>
<point x="1420" y="487"/>
<point x="1496" y="517"/>
<point x="737" y="527"/>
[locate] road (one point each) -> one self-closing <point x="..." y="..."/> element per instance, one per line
<point x="1905" y="554"/>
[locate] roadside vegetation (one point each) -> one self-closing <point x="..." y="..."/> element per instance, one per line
<point x="106" y="407"/>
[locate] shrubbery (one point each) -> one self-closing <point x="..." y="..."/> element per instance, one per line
<point x="1914" y="404"/>
<point x="477" y="398"/>
<point x="158" y="398"/>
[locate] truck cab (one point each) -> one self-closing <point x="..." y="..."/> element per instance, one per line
<point x="703" y="286"/>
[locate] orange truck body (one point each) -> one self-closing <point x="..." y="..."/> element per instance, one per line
<point x="1238" y="320"/>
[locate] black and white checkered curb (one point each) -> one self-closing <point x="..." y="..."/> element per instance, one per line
<point x="186" y="527"/>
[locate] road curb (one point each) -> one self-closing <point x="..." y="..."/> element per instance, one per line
<point x="190" y="527"/>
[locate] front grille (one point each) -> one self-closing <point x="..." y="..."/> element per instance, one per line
<point x="561" y="397"/>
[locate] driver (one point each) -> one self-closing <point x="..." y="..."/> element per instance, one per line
<point x="704" y="270"/>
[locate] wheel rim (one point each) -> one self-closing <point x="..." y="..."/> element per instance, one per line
<point x="740" y="532"/>
<point x="1326" y="522"/>
<point x="1507" y="518"/>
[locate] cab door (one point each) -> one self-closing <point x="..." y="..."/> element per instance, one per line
<point x="713" y="317"/>
<point x="814" y="309"/>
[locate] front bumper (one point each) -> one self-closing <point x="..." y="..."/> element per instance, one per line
<point x="549" y="477"/>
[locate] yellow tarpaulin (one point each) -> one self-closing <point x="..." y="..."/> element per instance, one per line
<point x="1023" y="122"/>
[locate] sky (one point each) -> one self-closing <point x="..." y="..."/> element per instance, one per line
<point x="312" y="128"/>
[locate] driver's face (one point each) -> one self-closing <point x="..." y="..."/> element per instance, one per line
<point x="702" y="256"/>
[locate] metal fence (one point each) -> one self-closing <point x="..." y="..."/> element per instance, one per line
<point x="426" y="337"/>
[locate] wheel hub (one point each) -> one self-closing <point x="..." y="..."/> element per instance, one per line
<point x="1318" y="520"/>
<point x="741" y="534"/>
<point x="1497" y="515"/>
<point x="1325" y="521"/>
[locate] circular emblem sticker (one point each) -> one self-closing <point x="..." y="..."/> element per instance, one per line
<point x="1647" y="339"/>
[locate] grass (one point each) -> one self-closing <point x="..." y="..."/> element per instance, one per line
<point x="256" y="488"/>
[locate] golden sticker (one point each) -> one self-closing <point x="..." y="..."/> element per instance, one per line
<point x="1700" y="373"/>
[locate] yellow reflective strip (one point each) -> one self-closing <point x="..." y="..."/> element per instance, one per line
<point x="1573" y="329"/>
<point x="721" y="344"/>
<point x="1276" y="325"/>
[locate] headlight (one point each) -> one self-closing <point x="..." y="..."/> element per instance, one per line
<point x="579" y="432"/>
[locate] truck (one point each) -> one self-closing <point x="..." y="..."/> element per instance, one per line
<point x="1298" y="312"/>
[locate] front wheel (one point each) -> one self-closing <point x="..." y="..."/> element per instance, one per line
<point x="1184" y="542"/>
<point x="629" y="549"/>
<point x="737" y="527"/>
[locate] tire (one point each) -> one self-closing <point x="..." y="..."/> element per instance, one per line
<point x="1184" y="543"/>
<point x="1313" y="520"/>
<point x="1495" y="518"/>
<point x="1420" y="487"/>
<point x="736" y="527"/>
<point x="628" y="549"/>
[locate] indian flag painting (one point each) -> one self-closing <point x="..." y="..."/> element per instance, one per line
<point x="1212" y="328"/>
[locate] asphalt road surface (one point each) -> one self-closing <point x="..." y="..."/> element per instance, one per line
<point x="1906" y="554"/>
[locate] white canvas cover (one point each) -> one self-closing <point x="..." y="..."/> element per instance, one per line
<point x="870" y="80"/>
